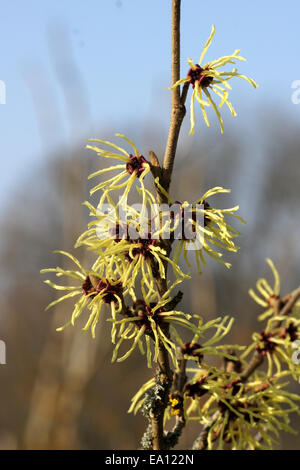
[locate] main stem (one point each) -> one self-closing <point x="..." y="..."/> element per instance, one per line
<point x="177" y="115"/>
<point x="177" y="108"/>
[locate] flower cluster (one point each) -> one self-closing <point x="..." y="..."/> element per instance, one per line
<point x="132" y="249"/>
<point x="121" y="256"/>
<point x="244" y="416"/>
<point x="190" y="351"/>
<point x="237" y="411"/>
<point x="275" y="342"/>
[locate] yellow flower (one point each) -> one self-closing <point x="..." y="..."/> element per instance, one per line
<point x="193" y="350"/>
<point x="267" y="293"/>
<point x="204" y="229"/>
<point x="146" y="321"/>
<point x="95" y="290"/>
<point x="134" y="166"/>
<point x="275" y="343"/>
<point x="207" y="77"/>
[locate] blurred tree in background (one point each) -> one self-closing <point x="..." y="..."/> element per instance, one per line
<point x="59" y="391"/>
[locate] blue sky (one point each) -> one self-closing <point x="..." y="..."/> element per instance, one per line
<point x="121" y="49"/>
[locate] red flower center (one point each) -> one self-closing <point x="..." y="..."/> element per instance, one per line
<point x="197" y="75"/>
<point x="136" y="165"/>
<point x="195" y="389"/>
<point x="188" y="226"/>
<point x="144" y="312"/>
<point x="143" y="249"/>
<point x="266" y="344"/>
<point x="87" y="287"/>
<point x="190" y="349"/>
<point x="292" y="331"/>
<point x="105" y="287"/>
<point x="109" y="290"/>
<point x="119" y="232"/>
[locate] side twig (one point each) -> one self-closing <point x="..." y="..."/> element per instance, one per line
<point x="287" y="305"/>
